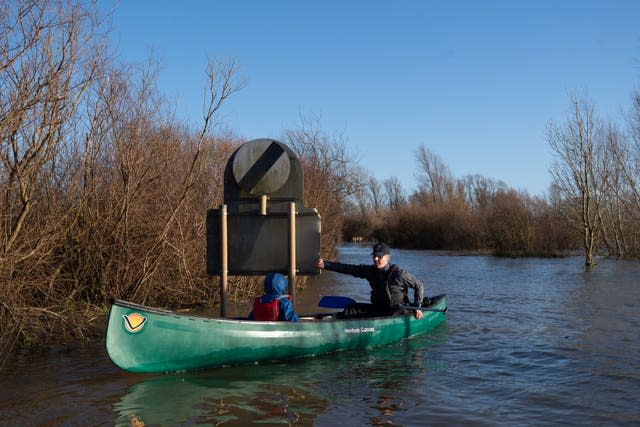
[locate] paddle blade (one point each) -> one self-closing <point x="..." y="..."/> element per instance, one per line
<point x="330" y="301"/>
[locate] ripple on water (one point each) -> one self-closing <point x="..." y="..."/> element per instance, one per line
<point x="527" y="342"/>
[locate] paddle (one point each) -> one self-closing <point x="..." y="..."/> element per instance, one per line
<point x="332" y="301"/>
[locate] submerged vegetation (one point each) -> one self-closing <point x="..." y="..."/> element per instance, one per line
<point x="104" y="192"/>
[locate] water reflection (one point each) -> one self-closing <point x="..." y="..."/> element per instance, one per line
<point x="527" y="342"/>
<point x="207" y="399"/>
<point x="299" y="392"/>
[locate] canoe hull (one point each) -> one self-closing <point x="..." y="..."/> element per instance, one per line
<point x="146" y="339"/>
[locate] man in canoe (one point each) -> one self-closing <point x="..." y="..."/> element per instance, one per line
<point x="274" y="304"/>
<point x="389" y="284"/>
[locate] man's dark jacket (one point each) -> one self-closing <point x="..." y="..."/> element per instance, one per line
<point x="389" y="285"/>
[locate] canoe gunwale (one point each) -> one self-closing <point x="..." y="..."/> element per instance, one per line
<point x="304" y="318"/>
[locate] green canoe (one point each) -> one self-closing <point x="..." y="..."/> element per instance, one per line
<point x="146" y="339"/>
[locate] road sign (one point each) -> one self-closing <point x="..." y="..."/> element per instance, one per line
<point x="284" y="236"/>
<point x="261" y="167"/>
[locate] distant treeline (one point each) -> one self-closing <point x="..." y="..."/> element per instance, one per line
<point x="104" y="193"/>
<point x="495" y="220"/>
<point x="593" y="203"/>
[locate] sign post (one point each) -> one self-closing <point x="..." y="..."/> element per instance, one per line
<point x="292" y="250"/>
<point x="262" y="226"/>
<point x="224" y="261"/>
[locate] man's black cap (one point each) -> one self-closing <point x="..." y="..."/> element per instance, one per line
<point x="380" y="249"/>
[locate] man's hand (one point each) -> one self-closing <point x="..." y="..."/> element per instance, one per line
<point x="418" y="314"/>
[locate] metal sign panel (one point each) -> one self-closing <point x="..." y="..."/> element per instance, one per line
<point x="260" y="243"/>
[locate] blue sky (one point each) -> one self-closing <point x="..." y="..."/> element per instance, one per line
<point x="476" y="82"/>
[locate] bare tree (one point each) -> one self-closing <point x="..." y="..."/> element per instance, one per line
<point x="331" y="177"/>
<point x="102" y="191"/>
<point x="436" y="183"/>
<point x="150" y="180"/>
<point x="578" y="146"/>
<point x="510" y="224"/>
<point x="394" y="193"/>
<point x="478" y="190"/>
<point x="629" y="162"/>
<point x="621" y="166"/>
<point x="634" y="119"/>
<point x="611" y="214"/>
<point x="328" y="155"/>
<point x="50" y="51"/>
<point x="43" y="78"/>
<point x="374" y="195"/>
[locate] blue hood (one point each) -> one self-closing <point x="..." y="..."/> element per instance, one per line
<point x="275" y="284"/>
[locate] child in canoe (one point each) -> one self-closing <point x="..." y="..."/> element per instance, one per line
<point x="274" y="304"/>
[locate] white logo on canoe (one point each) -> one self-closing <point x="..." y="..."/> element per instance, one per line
<point x="361" y="330"/>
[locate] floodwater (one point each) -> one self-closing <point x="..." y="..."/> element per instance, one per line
<point x="527" y="342"/>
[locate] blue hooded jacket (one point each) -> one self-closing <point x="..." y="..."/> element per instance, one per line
<point x="275" y="286"/>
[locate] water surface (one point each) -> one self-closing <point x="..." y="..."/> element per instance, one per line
<point x="527" y="342"/>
